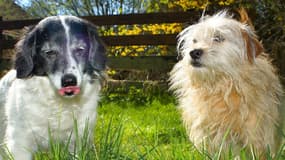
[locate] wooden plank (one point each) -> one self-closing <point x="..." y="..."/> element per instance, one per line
<point x="150" y="63"/>
<point x="17" y="24"/>
<point x="128" y="19"/>
<point x="154" y="63"/>
<point x="5" y="64"/>
<point x="1" y="37"/>
<point x="166" y="39"/>
<point x="148" y="18"/>
<point x="9" y="44"/>
<point x="163" y="39"/>
<point x="111" y="85"/>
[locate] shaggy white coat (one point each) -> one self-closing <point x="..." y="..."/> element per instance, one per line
<point x="234" y="97"/>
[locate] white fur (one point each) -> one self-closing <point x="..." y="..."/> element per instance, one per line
<point x="5" y="84"/>
<point x="233" y="99"/>
<point x="33" y="106"/>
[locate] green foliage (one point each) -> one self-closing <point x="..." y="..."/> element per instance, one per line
<point x="110" y="141"/>
<point x="42" y="8"/>
<point x="137" y="95"/>
<point x="9" y="10"/>
<point x="58" y="150"/>
<point x="270" y="23"/>
<point x="152" y="131"/>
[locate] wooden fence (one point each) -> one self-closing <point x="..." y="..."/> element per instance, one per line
<point x="154" y="63"/>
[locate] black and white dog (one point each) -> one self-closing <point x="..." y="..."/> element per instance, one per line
<point x="59" y="68"/>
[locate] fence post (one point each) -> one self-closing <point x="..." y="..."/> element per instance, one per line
<point x="1" y="38"/>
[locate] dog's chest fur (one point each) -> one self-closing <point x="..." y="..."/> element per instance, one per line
<point x="235" y="108"/>
<point x="36" y="107"/>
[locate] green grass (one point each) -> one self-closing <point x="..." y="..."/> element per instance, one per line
<point x="131" y="131"/>
<point x="151" y="131"/>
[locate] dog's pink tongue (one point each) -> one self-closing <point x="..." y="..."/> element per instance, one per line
<point x="70" y="90"/>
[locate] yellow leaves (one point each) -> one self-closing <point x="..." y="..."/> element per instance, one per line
<point x="129" y="30"/>
<point x="167" y="28"/>
<point x="111" y="72"/>
<point x="226" y="2"/>
<point x="138" y="50"/>
<point x="196" y="4"/>
<point x="188" y="4"/>
<point x="279" y="18"/>
<point x="172" y="28"/>
<point x="142" y="29"/>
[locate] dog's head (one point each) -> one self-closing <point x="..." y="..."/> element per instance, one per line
<point x="63" y="48"/>
<point x="218" y="44"/>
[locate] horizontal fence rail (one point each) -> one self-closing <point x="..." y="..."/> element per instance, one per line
<point x="153" y="63"/>
<point x="124" y="85"/>
<point x="5" y="64"/>
<point x="128" y="19"/>
<point x="166" y="39"/>
<point x="162" y="64"/>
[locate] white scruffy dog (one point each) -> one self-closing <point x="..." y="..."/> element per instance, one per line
<point x="228" y="90"/>
<point x="57" y="78"/>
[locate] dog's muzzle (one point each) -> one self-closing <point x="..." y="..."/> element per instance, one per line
<point x="69" y="85"/>
<point x="196" y="55"/>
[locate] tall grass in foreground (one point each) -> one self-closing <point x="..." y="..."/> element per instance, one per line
<point x="83" y="149"/>
<point x="129" y="131"/>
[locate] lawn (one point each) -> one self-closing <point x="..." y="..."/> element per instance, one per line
<point x="151" y="131"/>
<point x="134" y="127"/>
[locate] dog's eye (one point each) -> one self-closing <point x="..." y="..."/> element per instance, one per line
<point x="194" y="40"/>
<point x="218" y="38"/>
<point x="79" y="50"/>
<point x="50" y="52"/>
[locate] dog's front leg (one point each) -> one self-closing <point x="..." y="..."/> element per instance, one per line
<point x="85" y="130"/>
<point x="86" y="121"/>
<point x="19" y="145"/>
<point x="19" y="152"/>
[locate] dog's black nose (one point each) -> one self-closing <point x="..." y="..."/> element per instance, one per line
<point x="196" y="54"/>
<point x="68" y="80"/>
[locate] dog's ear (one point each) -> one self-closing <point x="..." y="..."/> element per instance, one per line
<point x="252" y="45"/>
<point x="244" y="17"/>
<point x="97" y="52"/>
<point x="25" y="49"/>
